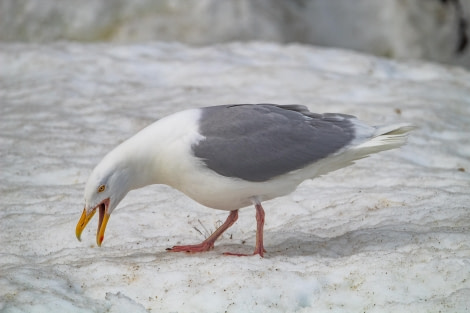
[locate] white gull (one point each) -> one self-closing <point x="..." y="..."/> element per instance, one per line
<point x="228" y="157"/>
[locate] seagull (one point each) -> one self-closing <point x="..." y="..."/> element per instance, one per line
<point x="228" y="157"/>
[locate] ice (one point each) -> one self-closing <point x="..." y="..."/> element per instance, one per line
<point x="389" y="234"/>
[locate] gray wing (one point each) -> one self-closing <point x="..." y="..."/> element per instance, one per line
<point x="262" y="141"/>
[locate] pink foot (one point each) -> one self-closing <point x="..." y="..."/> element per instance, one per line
<point x="260" y="252"/>
<point x="208" y="244"/>
<point x="202" y="247"/>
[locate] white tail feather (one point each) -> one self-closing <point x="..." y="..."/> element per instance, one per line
<point x="385" y="138"/>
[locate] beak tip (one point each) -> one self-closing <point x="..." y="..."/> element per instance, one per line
<point x="102" y="228"/>
<point x="82" y="223"/>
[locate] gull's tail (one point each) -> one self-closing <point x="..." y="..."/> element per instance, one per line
<point x="385" y="138"/>
<point x="370" y="140"/>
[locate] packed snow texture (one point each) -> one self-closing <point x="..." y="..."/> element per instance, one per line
<point x="428" y="29"/>
<point x="388" y="234"/>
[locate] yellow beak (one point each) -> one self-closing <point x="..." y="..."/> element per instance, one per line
<point x="101" y="228"/>
<point x="84" y="219"/>
<point x="102" y="222"/>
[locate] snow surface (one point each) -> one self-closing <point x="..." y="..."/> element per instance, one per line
<point x="389" y="234"/>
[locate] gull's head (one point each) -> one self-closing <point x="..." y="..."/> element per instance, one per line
<point x="106" y="187"/>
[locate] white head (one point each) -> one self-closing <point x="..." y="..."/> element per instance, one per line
<point x="137" y="162"/>
<point x="107" y="185"/>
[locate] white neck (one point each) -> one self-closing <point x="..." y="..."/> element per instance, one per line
<point x="158" y="152"/>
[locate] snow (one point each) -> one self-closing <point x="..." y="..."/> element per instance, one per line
<point x="388" y="234"/>
<point x="424" y="29"/>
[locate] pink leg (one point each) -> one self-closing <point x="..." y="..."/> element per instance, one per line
<point x="208" y="244"/>
<point x="259" y="248"/>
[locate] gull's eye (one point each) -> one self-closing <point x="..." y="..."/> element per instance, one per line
<point x="101" y="188"/>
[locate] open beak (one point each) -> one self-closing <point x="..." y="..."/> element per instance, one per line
<point x="103" y="220"/>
